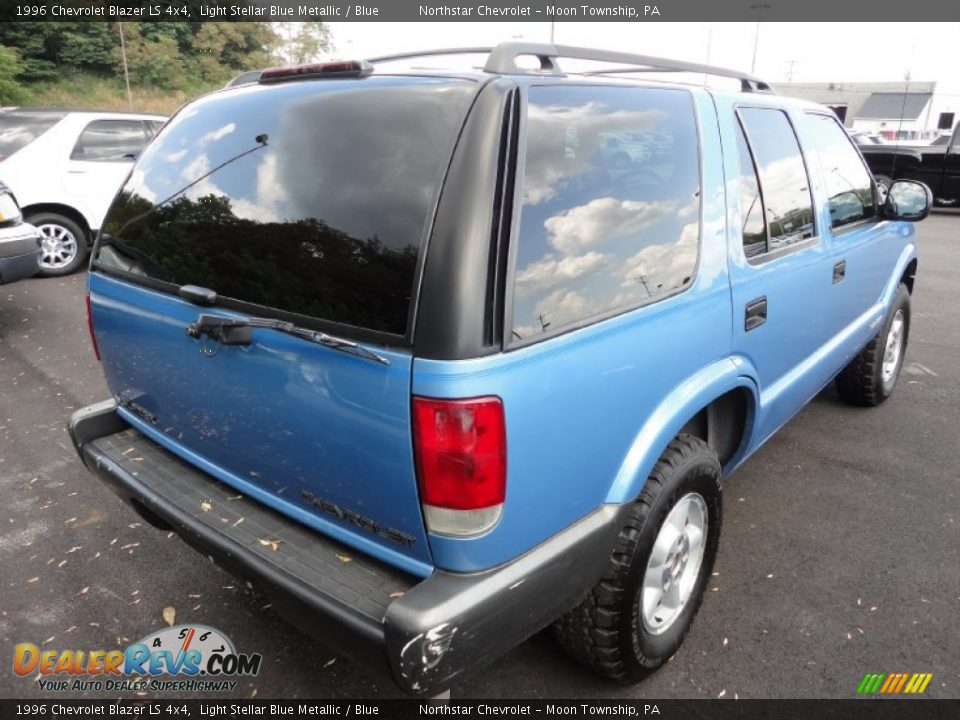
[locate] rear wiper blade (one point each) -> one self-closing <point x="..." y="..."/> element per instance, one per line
<point x="239" y="331"/>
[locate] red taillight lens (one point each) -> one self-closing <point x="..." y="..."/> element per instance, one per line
<point x="93" y="337"/>
<point x="461" y="454"/>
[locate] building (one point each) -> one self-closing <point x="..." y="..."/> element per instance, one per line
<point x="896" y="110"/>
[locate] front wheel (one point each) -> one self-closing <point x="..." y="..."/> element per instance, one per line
<point x="639" y="613"/>
<point x="63" y="244"/>
<point x="871" y="376"/>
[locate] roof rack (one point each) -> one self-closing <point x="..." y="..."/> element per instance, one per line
<point x="502" y="59"/>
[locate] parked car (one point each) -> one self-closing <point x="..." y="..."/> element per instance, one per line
<point x="469" y="380"/>
<point x="65" y="168"/>
<point x="19" y="241"/>
<point x="936" y="165"/>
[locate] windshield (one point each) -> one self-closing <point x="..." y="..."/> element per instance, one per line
<point x="18" y="129"/>
<point x="307" y="197"/>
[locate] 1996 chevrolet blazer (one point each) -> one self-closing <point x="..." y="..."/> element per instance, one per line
<point x="424" y="320"/>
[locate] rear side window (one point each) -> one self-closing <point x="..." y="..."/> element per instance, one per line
<point x="17" y="129"/>
<point x="309" y="198"/>
<point x="610" y="211"/>
<point x="785" y="188"/>
<point x="849" y="184"/>
<point x="110" y="141"/>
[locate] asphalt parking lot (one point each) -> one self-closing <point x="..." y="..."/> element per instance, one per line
<point x="840" y="553"/>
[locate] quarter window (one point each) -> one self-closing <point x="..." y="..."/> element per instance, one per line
<point x="848" y="182"/>
<point x="110" y="141"/>
<point x="787" y="204"/>
<point x="611" y="204"/>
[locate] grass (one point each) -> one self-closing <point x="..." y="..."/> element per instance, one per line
<point x="89" y="92"/>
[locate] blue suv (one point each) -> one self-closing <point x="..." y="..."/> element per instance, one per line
<point x="415" y="354"/>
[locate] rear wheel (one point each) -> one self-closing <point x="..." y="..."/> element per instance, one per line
<point x="638" y="614"/>
<point x="871" y="376"/>
<point x="63" y="244"/>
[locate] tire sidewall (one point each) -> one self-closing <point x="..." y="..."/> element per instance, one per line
<point x="901" y="301"/>
<point x="701" y="476"/>
<point x="74" y="229"/>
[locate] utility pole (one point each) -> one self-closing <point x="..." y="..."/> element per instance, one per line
<point x="791" y="63"/>
<point x="126" y="73"/>
<point x="759" y="7"/>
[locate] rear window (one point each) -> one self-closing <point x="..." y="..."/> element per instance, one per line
<point x="309" y="197"/>
<point x="17" y="130"/>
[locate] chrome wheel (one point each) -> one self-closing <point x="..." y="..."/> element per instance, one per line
<point x="674" y="564"/>
<point x="58" y="246"/>
<point x="893" y="348"/>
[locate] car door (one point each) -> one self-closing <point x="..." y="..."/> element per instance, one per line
<point x="779" y="266"/>
<point x="864" y="247"/>
<point x="100" y="160"/>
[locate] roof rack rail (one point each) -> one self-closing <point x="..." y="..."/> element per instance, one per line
<point x="502" y="59"/>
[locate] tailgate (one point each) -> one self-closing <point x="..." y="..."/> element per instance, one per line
<point x="306" y="203"/>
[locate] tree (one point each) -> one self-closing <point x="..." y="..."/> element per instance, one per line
<point x="11" y="92"/>
<point x="156" y="64"/>
<point x="305" y="41"/>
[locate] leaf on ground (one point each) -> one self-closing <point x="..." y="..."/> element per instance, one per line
<point x="84" y="591"/>
<point x="722" y="693"/>
<point x="238" y="522"/>
<point x="74" y="549"/>
<point x="726" y="642"/>
<point x="273" y="544"/>
<point x="344" y="558"/>
<point x="49" y="640"/>
<point x="206" y="506"/>
<point x="33" y="579"/>
<point x="169" y="614"/>
<point x="329" y="662"/>
<point x="397" y="593"/>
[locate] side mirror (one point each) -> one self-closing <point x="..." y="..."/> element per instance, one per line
<point x="907" y="200"/>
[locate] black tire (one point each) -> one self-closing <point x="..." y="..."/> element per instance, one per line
<point x="605" y="632"/>
<point x="861" y="382"/>
<point x="47" y="222"/>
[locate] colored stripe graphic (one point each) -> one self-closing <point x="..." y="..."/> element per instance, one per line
<point x="893" y="684"/>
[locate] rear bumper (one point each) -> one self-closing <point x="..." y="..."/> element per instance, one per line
<point x="424" y="633"/>
<point x="19" y="253"/>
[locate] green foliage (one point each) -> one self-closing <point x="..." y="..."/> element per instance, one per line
<point x="154" y="63"/>
<point x="11" y="93"/>
<point x="306" y="41"/>
<point x="160" y="55"/>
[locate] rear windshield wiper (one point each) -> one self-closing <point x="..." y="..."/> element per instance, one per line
<point x="239" y="331"/>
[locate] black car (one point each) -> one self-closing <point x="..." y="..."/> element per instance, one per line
<point x="938" y="166"/>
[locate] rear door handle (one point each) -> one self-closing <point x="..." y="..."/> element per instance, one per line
<point x="756" y="313"/>
<point x="839" y="271"/>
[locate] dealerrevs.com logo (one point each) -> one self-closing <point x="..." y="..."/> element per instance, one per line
<point x="180" y="658"/>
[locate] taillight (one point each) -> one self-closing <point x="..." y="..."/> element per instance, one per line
<point x="461" y="454"/>
<point x="93" y="337"/>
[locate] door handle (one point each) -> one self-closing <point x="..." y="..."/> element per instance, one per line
<point x="756" y="313"/>
<point x="839" y="271"/>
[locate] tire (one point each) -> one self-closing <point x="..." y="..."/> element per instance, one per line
<point x="64" y="244"/>
<point x="872" y="375"/>
<point x="608" y="632"/>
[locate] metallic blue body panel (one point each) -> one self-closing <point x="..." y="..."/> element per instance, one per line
<point x="272" y="419"/>
<point x="576" y="403"/>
